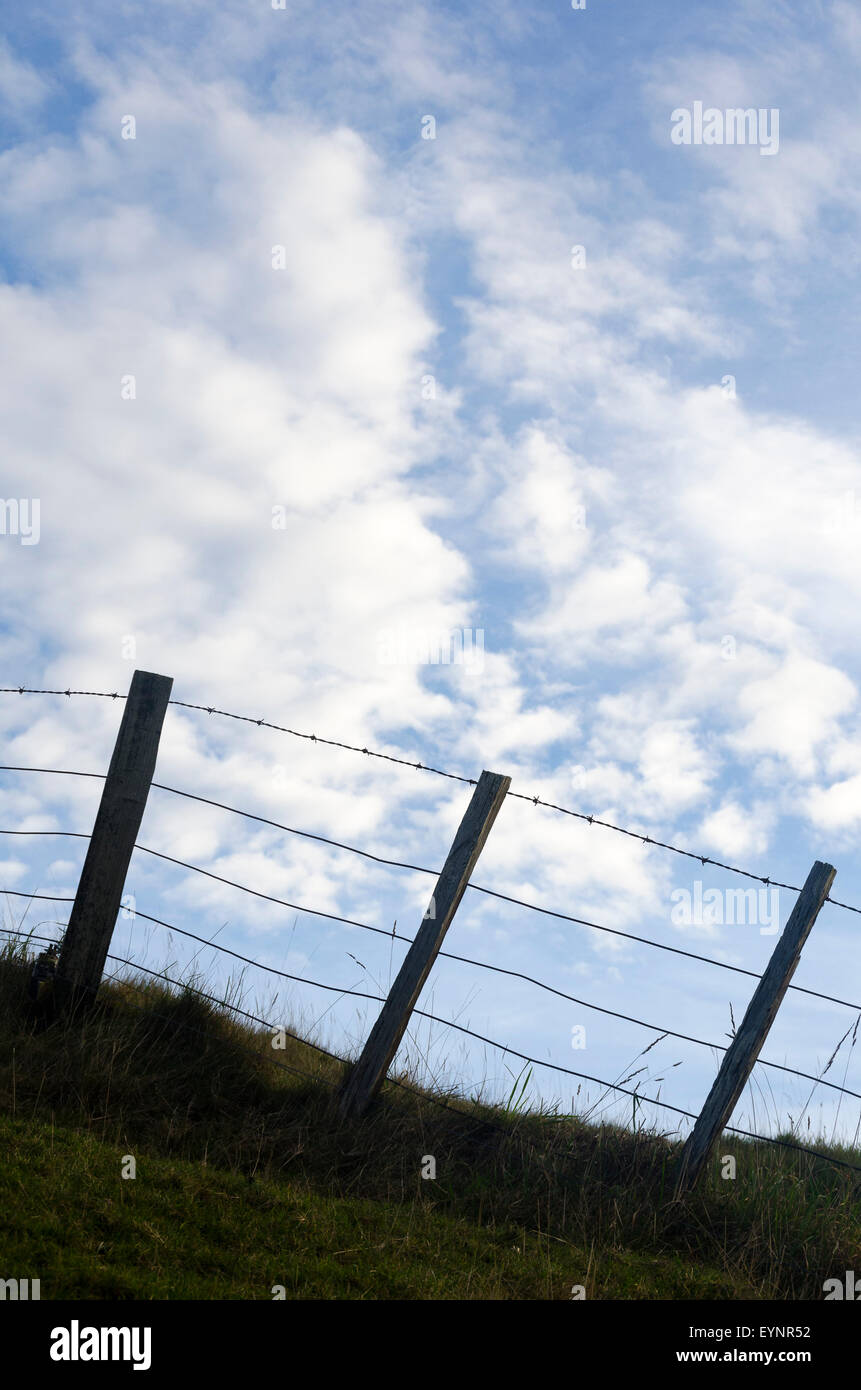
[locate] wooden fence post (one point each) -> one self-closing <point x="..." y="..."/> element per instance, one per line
<point x="100" y="889"/>
<point x="368" y="1075"/>
<point x="761" y="1011"/>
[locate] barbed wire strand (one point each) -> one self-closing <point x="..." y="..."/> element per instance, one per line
<point x="454" y="776"/>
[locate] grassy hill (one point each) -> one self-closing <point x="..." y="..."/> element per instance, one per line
<point x="246" y="1180"/>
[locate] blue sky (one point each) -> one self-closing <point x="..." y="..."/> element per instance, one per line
<point x="638" y="477"/>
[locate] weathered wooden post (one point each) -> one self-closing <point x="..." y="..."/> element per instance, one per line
<point x="384" y="1039"/>
<point x="761" y="1011"/>
<point x="100" y="889"/>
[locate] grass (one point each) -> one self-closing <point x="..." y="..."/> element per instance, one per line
<point x="246" y="1179"/>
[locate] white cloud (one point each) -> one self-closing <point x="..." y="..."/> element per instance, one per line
<point x="793" y="711"/>
<point x="836" y="807"/>
<point x="618" y="605"/>
<point x="674" y="768"/>
<point x="541" y="504"/>
<point x="734" y="831"/>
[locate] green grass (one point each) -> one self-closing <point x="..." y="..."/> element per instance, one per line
<point x="246" y="1179"/>
<point x="183" y="1230"/>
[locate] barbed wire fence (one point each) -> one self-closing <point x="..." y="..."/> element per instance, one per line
<point x="504" y="1048"/>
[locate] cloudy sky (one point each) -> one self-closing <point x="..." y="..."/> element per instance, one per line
<point x="338" y="339"/>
